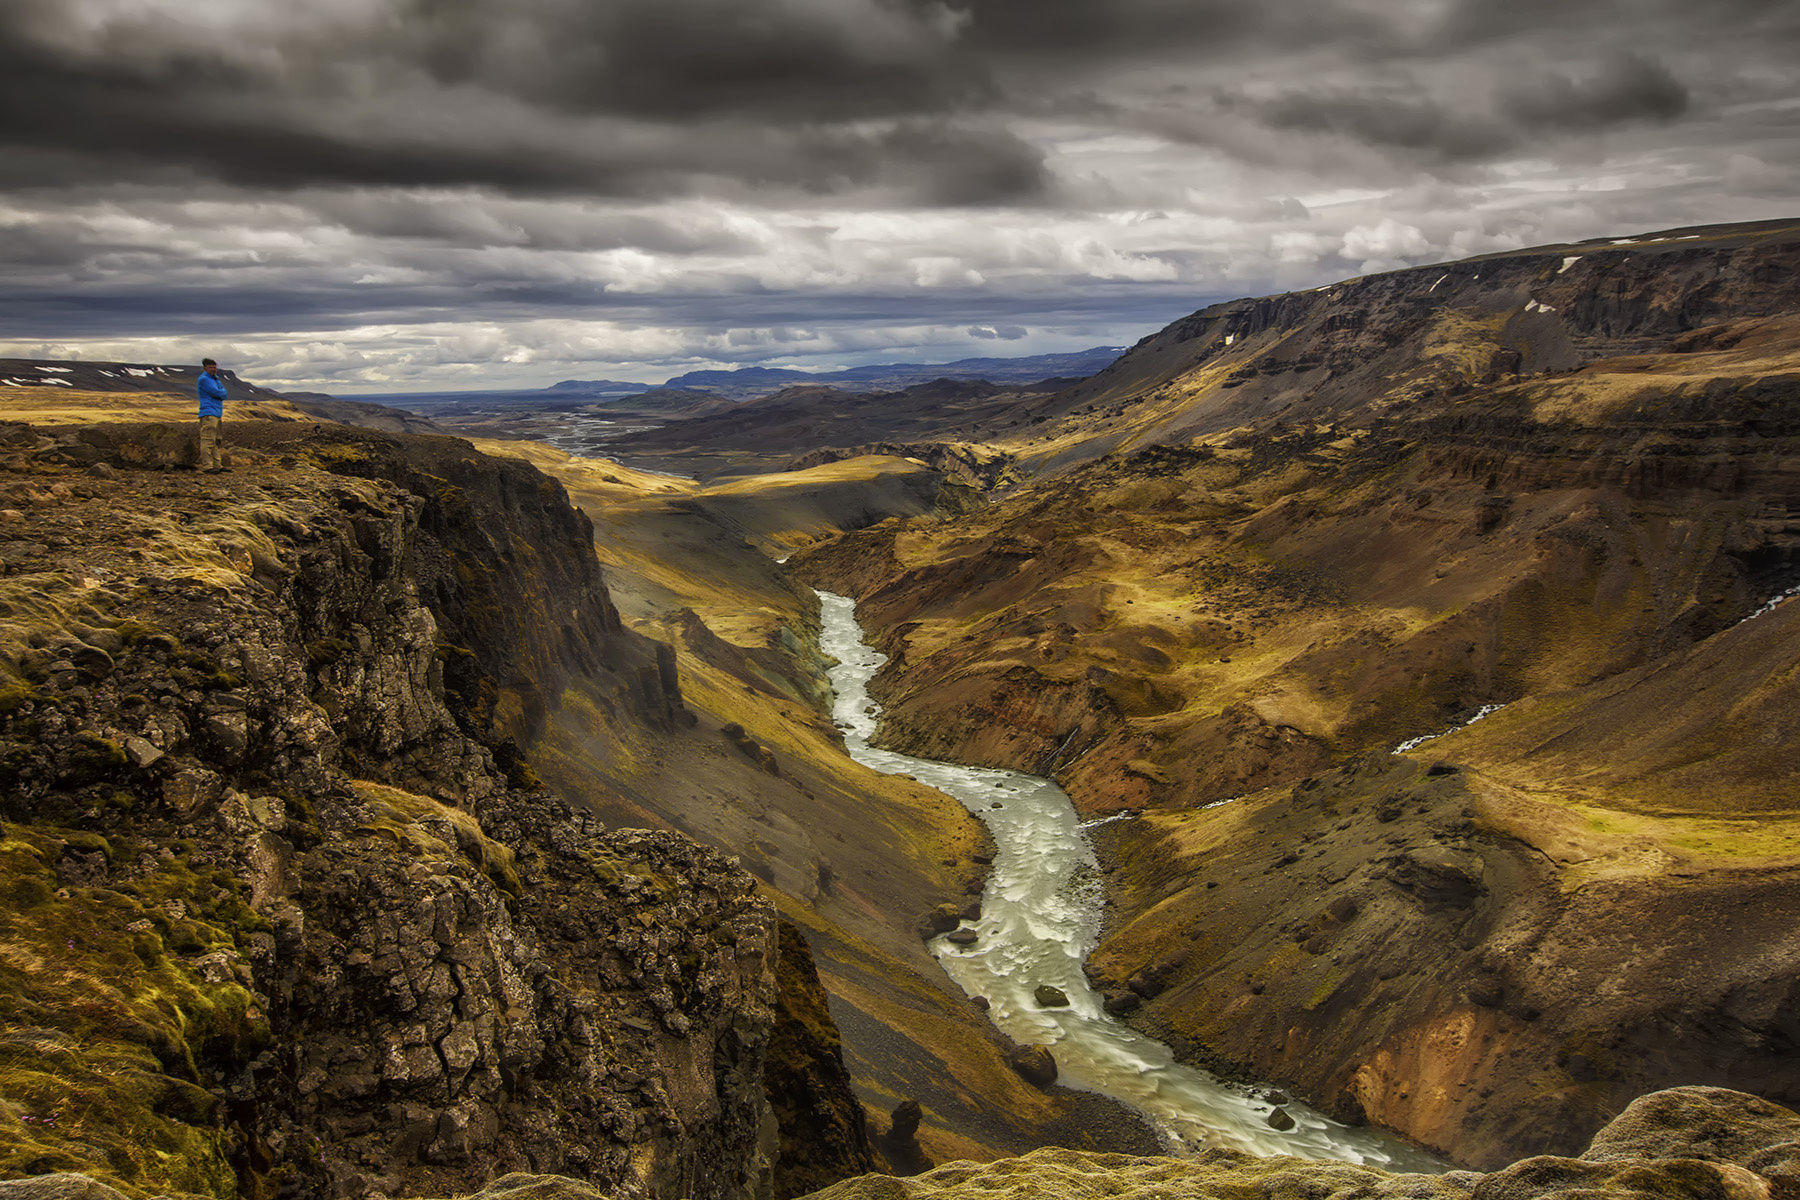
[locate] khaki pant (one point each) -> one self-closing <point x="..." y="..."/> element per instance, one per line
<point x="211" y="459"/>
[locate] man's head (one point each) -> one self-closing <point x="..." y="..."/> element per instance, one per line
<point x="209" y="366"/>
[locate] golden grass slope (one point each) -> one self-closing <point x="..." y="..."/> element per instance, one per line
<point x="55" y="406"/>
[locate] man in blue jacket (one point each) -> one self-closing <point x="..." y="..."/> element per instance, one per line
<point x="212" y="411"/>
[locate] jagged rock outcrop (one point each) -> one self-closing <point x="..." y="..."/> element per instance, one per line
<point x="1696" y="1143"/>
<point x="824" y="1132"/>
<point x="285" y="912"/>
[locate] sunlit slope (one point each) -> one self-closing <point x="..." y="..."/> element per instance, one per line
<point x="1354" y="350"/>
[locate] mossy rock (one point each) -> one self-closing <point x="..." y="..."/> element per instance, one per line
<point x="93" y="758"/>
<point x="114" y="1037"/>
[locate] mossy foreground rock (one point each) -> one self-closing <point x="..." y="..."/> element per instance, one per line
<point x="1688" y="1143"/>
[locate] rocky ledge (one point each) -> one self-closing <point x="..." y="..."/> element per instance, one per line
<point x="284" y="912"/>
<point x="1693" y="1143"/>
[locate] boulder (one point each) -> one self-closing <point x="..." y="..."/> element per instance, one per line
<point x="1712" y="1123"/>
<point x="1121" y="1003"/>
<point x="1280" y="1119"/>
<point x="1049" y="996"/>
<point x="1035" y="1064"/>
<point x="941" y="919"/>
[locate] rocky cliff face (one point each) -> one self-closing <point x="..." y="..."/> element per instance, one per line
<point x="1342" y="520"/>
<point x="287" y="913"/>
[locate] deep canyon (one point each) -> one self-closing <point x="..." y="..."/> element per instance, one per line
<point x="412" y="814"/>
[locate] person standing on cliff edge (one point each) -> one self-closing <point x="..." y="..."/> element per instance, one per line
<point x="212" y="412"/>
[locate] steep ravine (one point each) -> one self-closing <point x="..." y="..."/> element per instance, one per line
<point x="1039" y="918"/>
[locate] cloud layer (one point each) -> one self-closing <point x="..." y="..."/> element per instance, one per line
<point x="376" y="194"/>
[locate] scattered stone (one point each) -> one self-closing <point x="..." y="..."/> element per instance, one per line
<point x="1148" y="982"/>
<point x="231" y="731"/>
<point x="1275" y="1096"/>
<point x="962" y="937"/>
<point x="1486" y="992"/>
<point x="141" y="753"/>
<point x="1280" y="1120"/>
<point x="1050" y="996"/>
<point x="981" y="1003"/>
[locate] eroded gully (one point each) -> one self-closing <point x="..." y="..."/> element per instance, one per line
<point x="1040" y="917"/>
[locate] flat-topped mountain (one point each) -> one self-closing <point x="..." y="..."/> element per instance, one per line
<point x="889" y="377"/>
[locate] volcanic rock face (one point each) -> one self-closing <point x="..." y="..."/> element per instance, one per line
<point x="285" y="912"/>
<point x="1338" y="521"/>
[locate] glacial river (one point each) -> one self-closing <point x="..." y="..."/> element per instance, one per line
<point x="1040" y="916"/>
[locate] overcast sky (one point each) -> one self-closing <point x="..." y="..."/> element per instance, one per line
<point x="374" y="195"/>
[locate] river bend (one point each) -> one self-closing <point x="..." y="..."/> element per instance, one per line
<point x="1040" y="917"/>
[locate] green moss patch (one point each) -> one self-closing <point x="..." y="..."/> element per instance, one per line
<point x="119" y="1018"/>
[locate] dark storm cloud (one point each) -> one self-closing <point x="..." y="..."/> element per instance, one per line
<point x="1461" y="120"/>
<point x="1625" y="89"/>
<point x="902" y="100"/>
<point x="475" y="184"/>
<point x="127" y="126"/>
<point x="1413" y="123"/>
<point x="691" y="58"/>
<point x="549" y="97"/>
<point x="206" y="312"/>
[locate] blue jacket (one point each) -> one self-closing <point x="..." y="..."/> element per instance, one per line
<point x="212" y="395"/>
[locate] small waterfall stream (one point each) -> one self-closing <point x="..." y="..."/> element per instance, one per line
<point x="1040" y="916"/>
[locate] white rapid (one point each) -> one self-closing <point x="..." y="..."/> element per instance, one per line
<point x="1486" y="710"/>
<point x="1040" y="916"/>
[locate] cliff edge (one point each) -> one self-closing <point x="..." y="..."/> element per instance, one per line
<point x="286" y="912"/>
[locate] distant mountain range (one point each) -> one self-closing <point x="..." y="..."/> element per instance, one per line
<point x="588" y="387"/>
<point x="746" y="382"/>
